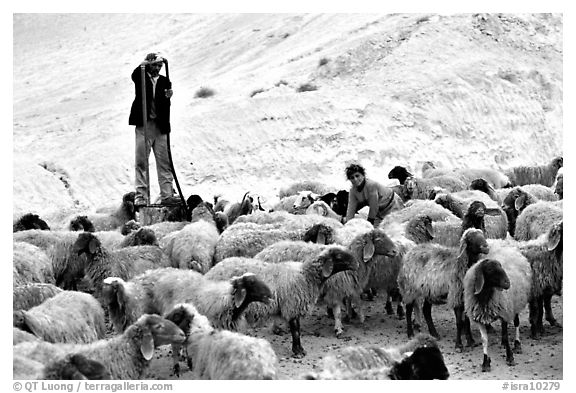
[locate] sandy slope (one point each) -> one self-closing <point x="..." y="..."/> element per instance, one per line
<point x="462" y="90"/>
<point x="396" y="89"/>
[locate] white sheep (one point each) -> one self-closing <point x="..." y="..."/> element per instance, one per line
<point x="420" y="188"/>
<point x="247" y="239"/>
<point x="495" y="220"/>
<point x="416" y="207"/>
<point x="110" y="220"/>
<point x="30" y="264"/>
<point x="68" y="317"/>
<point x="431" y="271"/>
<point x="496" y="178"/>
<point x="498" y="289"/>
<point x="536" y="219"/>
<point x="193" y="246"/>
<point x="26" y="296"/>
<point x="343" y="287"/>
<point x="20" y="336"/>
<point x="295" y="285"/>
<point x="222" y="354"/>
<point x="67" y="265"/>
<point x="545" y="255"/>
<point x="158" y="290"/>
<point x="124" y="263"/>
<point x="305" y="185"/>
<point x="405" y="236"/>
<point x="541" y="174"/>
<point x="125" y="356"/>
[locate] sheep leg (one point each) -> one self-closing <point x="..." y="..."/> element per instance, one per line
<point x="176" y="359"/>
<point x="409" y="328"/>
<point x="486" y="359"/>
<point x="400" y="310"/>
<point x="506" y="344"/>
<point x="458" y="311"/>
<point x="540" y="315"/>
<point x="388" y="307"/>
<point x="462" y="322"/>
<point x="427" y="311"/>
<point x="533" y="317"/>
<point x="297" y="350"/>
<point x="337" y="320"/>
<point x="517" y="343"/>
<point x="548" y="308"/>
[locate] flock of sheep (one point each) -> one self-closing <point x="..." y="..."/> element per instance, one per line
<point x="94" y="296"/>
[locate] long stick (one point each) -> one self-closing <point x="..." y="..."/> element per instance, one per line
<point x="145" y="127"/>
<point x="169" y="149"/>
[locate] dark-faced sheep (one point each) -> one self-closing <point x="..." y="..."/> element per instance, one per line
<point x="497" y="290"/>
<point x="29" y="221"/>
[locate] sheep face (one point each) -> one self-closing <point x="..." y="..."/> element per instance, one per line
<point x="145" y="236"/>
<point x="425" y="363"/>
<point x="473" y="242"/>
<point x="477" y="209"/>
<point x="400" y="173"/>
<point x="157" y="331"/>
<point x="557" y="162"/>
<point x="193" y="201"/>
<point x="249" y="288"/>
<point x="336" y="259"/>
<point x="381" y="243"/>
<point x="128" y="204"/>
<point x="319" y="233"/>
<point x="490" y="274"/>
<point x="81" y="223"/>
<point x="305" y="199"/>
<point x="482" y="185"/>
<point x="86" y="243"/>
<point x="129" y="226"/>
<point x="341" y="204"/>
<point x="19" y="321"/>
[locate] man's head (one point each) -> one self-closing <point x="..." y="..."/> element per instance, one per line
<point x="154" y="65"/>
<point x="356" y="174"/>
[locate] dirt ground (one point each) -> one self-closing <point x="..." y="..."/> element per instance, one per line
<point x="540" y="359"/>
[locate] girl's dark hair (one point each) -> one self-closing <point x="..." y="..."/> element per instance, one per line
<point x="353" y="168"/>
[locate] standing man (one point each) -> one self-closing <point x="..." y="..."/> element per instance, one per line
<point x="154" y="135"/>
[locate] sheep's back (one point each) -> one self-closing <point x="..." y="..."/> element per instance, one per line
<point x="68" y="317"/>
<point x="30" y="264"/>
<point x="536" y="219"/>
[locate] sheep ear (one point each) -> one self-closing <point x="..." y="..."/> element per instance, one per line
<point x="327" y="267"/>
<point x="430" y="230"/>
<point x="462" y="250"/>
<point x="239" y="297"/>
<point x="368" y="251"/>
<point x="554" y="240"/>
<point x="321" y="239"/>
<point x="478" y="282"/>
<point x="147" y="346"/>
<point x="519" y="202"/>
<point x="93" y="245"/>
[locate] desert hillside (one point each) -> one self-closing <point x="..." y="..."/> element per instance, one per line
<point x="480" y="90"/>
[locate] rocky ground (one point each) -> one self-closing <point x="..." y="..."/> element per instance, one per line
<point x="540" y="359"/>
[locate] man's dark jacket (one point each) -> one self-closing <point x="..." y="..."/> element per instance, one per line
<point x="162" y="103"/>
